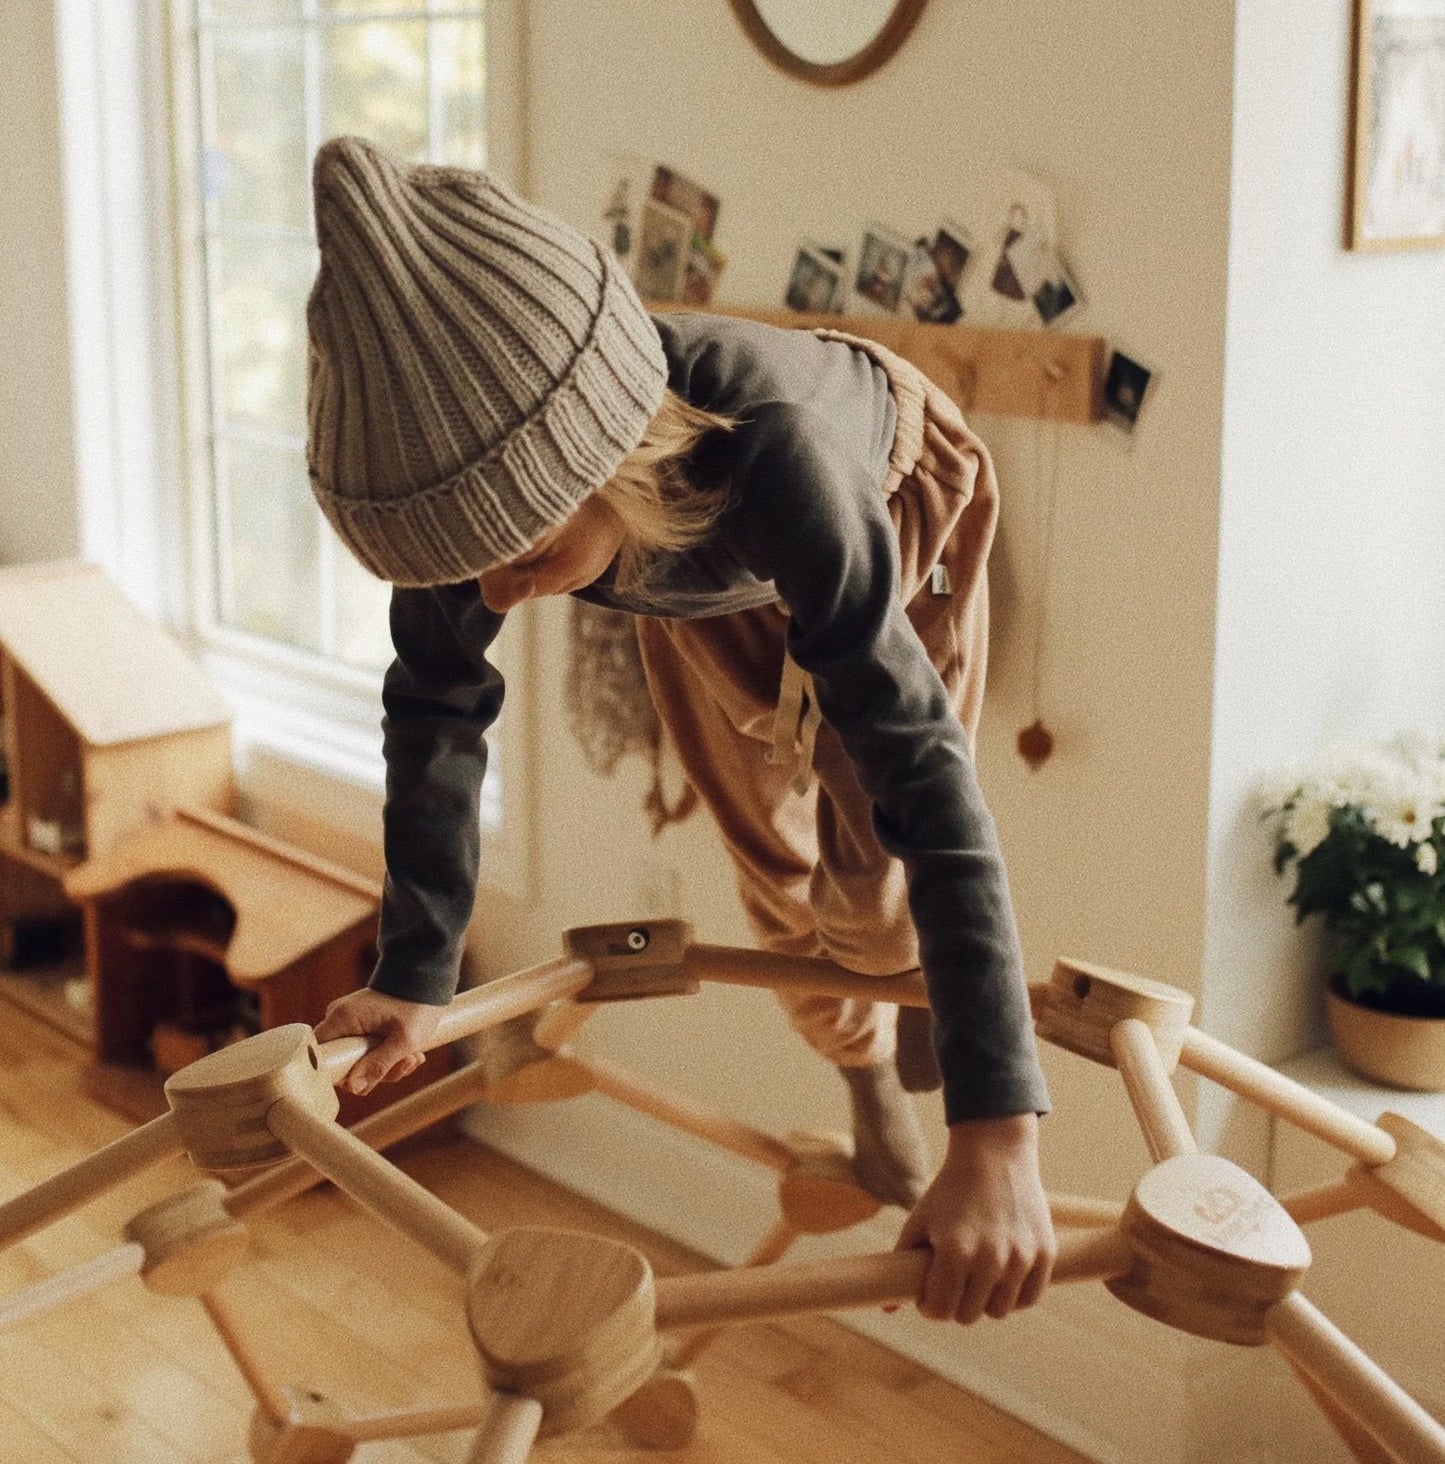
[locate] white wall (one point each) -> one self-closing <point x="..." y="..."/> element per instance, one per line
<point x="38" y="514"/>
<point x="1332" y="498"/>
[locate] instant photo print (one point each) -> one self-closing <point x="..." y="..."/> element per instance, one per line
<point x="882" y="264"/>
<point x="817" y="282"/>
<point x="1126" y="383"/>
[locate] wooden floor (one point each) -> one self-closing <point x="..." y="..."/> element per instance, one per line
<point x="336" y="1302"/>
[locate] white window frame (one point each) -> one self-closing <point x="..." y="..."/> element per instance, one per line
<point x="126" y="71"/>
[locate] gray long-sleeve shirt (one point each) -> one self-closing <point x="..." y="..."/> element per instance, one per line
<point x="806" y="523"/>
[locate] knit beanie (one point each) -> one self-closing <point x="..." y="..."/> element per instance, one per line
<point x="477" y="366"/>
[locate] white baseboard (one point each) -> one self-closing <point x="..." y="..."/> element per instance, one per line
<point x="1082" y="1368"/>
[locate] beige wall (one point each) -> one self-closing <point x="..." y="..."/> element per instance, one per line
<point x="1106" y="843"/>
<point x="38" y="516"/>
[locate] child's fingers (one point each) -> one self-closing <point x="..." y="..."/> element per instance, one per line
<point x="377" y="1064"/>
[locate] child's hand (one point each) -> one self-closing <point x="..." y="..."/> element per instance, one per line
<point x="987" y="1219"/>
<point x="406" y="1028"/>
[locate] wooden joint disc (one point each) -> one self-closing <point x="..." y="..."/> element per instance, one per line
<point x="513" y="1067"/>
<point x="1410" y="1188"/>
<point x="1082" y="1003"/>
<point x="661" y="1414"/>
<point x="191" y="1241"/>
<point x="819" y="1192"/>
<point x="314" y="1434"/>
<point x="1213" y="1249"/>
<point x="566" y="1318"/>
<point x="220" y="1103"/>
<point x="633" y="959"/>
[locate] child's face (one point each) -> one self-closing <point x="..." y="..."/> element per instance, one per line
<point x="564" y="559"/>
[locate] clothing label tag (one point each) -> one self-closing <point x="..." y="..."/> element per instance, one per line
<point x="942" y="585"/>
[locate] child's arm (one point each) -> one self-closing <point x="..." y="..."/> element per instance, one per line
<point x="986" y="1216"/>
<point x="440" y="696"/>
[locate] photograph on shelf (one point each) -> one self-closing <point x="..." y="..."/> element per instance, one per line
<point x="882" y="262"/>
<point x="818" y="281"/>
<point x="926" y="292"/>
<point x="619" y="223"/>
<point x="671" y="188"/>
<point x="663" y="244"/>
<point x="1397" y="133"/>
<point x="705" y="264"/>
<point x="1126" y="383"/>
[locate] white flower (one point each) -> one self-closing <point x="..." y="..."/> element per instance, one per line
<point x="1306" y="825"/>
<point x="1426" y="859"/>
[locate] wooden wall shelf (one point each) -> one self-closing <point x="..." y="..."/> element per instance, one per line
<point x="1038" y="374"/>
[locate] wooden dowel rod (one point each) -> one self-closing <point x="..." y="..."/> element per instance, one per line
<point x="376" y="1185"/>
<point x="1083" y="1210"/>
<point x="271" y="1397"/>
<point x="737" y="967"/>
<point x="1271" y="1090"/>
<point x="1359" y="1385"/>
<point x="509" y="1432"/>
<point x="769" y="1250"/>
<point x="1156" y="1104"/>
<point x="56" y="1291"/>
<point x="853" y="1281"/>
<point x="92" y="1176"/>
<point x="379" y="1130"/>
<point x="1335" y="1198"/>
<point x="482" y="1006"/>
<point x="692" y="1118"/>
<point x="409" y="1422"/>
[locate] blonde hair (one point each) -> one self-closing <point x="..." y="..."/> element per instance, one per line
<point x="661" y="508"/>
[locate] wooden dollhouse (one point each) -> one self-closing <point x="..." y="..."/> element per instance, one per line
<point x="105" y="718"/>
<point x="198" y="930"/>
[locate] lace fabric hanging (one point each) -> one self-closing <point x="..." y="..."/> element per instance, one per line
<point x="609" y="707"/>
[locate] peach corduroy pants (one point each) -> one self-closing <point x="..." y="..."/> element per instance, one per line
<point x="811" y="875"/>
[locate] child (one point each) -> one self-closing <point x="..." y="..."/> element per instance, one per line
<point x="800" y="522"/>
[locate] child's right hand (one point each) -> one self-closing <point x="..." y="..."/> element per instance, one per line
<point x="406" y="1029"/>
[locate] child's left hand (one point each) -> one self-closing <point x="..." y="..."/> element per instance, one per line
<point x="986" y="1216"/>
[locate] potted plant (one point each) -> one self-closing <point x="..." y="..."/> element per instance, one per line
<point x="1363" y="832"/>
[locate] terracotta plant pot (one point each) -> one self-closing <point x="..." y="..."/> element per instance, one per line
<point x="1404" y="1052"/>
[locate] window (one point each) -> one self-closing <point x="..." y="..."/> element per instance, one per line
<point x="189" y="220"/>
<point x="274" y="79"/>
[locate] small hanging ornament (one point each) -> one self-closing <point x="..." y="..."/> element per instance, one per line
<point x="1035" y="743"/>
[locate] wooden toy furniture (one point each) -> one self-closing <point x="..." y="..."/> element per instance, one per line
<point x="197" y="924"/>
<point x="105" y="717"/>
<point x="571" y="1328"/>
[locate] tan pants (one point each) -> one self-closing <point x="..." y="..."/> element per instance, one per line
<point x="813" y="879"/>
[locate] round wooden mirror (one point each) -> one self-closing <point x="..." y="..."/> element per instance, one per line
<point x="828" y="42"/>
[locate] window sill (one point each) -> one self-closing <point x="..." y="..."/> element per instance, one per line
<point x="1322" y="1072"/>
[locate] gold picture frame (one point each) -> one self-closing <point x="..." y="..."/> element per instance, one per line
<point x="1396" y="195"/>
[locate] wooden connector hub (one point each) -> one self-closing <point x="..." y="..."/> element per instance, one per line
<point x="314" y="1434"/>
<point x="513" y="1067"/>
<point x="1413" y="1181"/>
<point x="191" y="1241"/>
<point x="819" y="1193"/>
<point x="1081" y="1004"/>
<point x="565" y="1318"/>
<point x="636" y="958"/>
<point x="1213" y="1249"/>
<point x="220" y="1103"/>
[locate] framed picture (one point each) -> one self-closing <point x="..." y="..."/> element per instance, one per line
<point x="1397" y="165"/>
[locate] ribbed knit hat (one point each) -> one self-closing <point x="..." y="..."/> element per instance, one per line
<point x="477" y="366"/>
